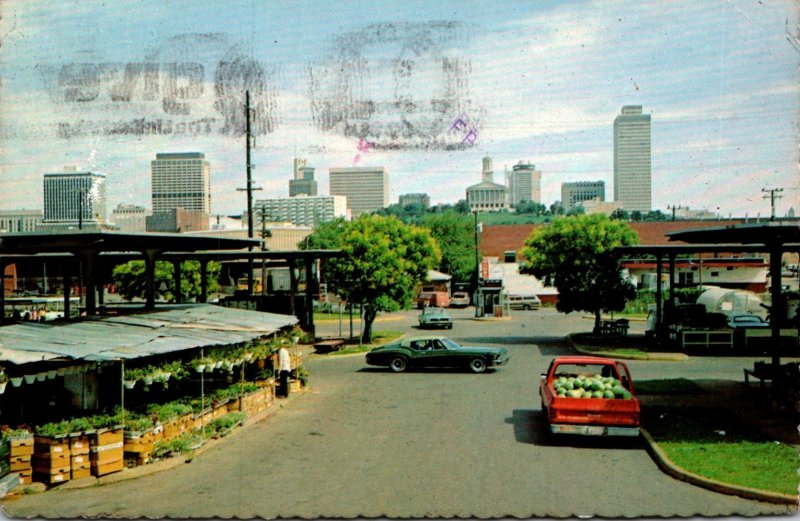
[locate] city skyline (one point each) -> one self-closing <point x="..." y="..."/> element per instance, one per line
<point x="540" y="82"/>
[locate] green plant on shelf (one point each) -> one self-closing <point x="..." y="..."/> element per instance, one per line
<point x="303" y="374"/>
<point x="134" y="374"/>
<point x="169" y="411"/>
<point x="178" y="445"/>
<point x="224" y="423"/>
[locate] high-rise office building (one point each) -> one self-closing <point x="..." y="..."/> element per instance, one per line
<point x="632" y="159"/>
<point x="573" y="194"/>
<point x="366" y="188"/>
<point x="303" y="182"/>
<point x="301" y="210"/>
<point x="524" y="184"/>
<point x="74" y="199"/>
<point x="181" y="180"/>
<point x="487" y="195"/>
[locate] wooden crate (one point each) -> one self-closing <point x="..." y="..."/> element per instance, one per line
<point x="107" y="453"/>
<point x="105" y="437"/>
<point x="79" y="444"/>
<point x="25" y="477"/>
<point x="79" y="461"/>
<point x="52" y="479"/>
<point x="57" y="466"/>
<point x="20" y="463"/>
<point x="21" y="446"/>
<point x="51" y="447"/>
<point x="101" y="469"/>
<point x="80" y="473"/>
<point x="172" y="429"/>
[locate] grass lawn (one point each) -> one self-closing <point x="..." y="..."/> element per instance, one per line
<point x="718" y="444"/>
<point x="379" y="338"/>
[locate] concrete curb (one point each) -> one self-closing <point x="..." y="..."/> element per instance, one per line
<point x="489" y="319"/>
<point x="669" y="467"/>
<point x="661" y="357"/>
<point x="176" y="461"/>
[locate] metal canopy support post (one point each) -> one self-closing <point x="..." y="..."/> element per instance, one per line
<point x="150" y="278"/>
<point x="177" y="273"/>
<point x="776" y="312"/>
<point x="310" y="297"/>
<point x="671" y="308"/>
<point x="203" y="281"/>
<point x="87" y="258"/>
<point x="67" y="291"/>
<point x="659" y="293"/>
<point x="2" y="292"/>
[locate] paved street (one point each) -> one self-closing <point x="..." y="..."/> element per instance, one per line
<point x="424" y="443"/>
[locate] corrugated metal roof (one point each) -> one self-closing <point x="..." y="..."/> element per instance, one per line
<point x="178" y="328"/>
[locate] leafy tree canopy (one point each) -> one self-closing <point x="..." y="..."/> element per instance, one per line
<point x="129" y="278"/>
<point x="575" y="251"/>
<point x="381" y="264"/>
<point x="455" y="235"/>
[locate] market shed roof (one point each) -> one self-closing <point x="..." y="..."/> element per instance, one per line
<point x="112" y="241"/>
<point x="177" y="328"/>
<point x="752" y="233"/>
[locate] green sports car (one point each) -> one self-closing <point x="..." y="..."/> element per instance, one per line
<point x="435" y="351"/>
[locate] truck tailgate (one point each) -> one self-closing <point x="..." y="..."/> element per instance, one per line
<point x="594" y="411"/>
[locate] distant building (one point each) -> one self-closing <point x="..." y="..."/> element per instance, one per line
<point x="487" y="195"/>
<point x="283" y="236"/>
<point x="177" y="220"/>
<point x="597" y="206"/>
<point x="303" y="182"/>
<point x="423" y="200"/>
<point x="632" y="159"/>
<point x="301" y="210"/>
<point x="74" y="199"/>
<point x="17" y="221"/>
<point x="130" y="218"/>
<point x="524" y="184"/>
<point x="181" y="180"/>
<point x="687" y="213"/>
<point x="366" y="188"/>
<point x="573" y="194"/>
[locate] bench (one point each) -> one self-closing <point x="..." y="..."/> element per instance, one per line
<point x="328" y="345"/>
<point x="614" y="327"/>
<point x="760" y="375"/>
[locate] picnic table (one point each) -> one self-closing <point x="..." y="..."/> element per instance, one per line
<point x="617" y="327"/>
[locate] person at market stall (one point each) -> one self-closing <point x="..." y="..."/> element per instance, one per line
<point x="285" y="368"/>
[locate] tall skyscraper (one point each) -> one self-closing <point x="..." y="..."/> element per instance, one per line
<point x="574" y="194"/>
<point x="366" y="188"/>
<point x="524" y="184"/>
<point x="303" y="182"/>
<point x="74" y="199"/>
<point x="181" y="180"/>
<point x="632" y="159"/>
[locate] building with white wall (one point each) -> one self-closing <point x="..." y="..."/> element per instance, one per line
<point x="181" y="180"/>
<point x="487" y="195"/>
<point x="301" y="210"/>
<point x="129" y="218"/>
<point x="524" y="184"/>
<point x="18" y="221"/>
<point x="366" y="188"/>
<point x="74" y="199"/>
<point x="573" y="194"/>
<point x="632" y="159"/>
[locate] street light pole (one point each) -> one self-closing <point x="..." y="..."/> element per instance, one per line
<point x="477" y="271"/>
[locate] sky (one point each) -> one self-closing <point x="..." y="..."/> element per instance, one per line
<point x="104" y="86"/>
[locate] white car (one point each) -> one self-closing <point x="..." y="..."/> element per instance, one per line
<point x="460" y="299"/>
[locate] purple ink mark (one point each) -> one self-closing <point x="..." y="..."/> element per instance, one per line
<point x="471" y="137"/>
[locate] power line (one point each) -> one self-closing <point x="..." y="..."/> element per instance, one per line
<point x="772" y="198"/>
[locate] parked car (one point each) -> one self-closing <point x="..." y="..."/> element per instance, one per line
<point x="460" y="299"/>
<point x="435" y="351"/>
<point x="746" y="320"/>
<point x="524" y="302"/>
<point x="433" y="298"/>
<point x="435" y="317"/>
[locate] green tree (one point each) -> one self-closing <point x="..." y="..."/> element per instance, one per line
<point x="576" y="252"/>
<point x="455" y="235"/>
<point x="531" y="207"/>
<point x="129" y="278"/>
<point x="620" y="214"/>
<point x="381" y="264"/>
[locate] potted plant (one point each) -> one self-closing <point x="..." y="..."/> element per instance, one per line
<point x="16" y="381"/>
<point x="29" y="378"/>
<point x="3" y="380"/>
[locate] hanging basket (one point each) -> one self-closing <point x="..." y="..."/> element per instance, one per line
<point x="29" y="378"/>
<point x="41" y="377"/>
<point x="16" y="381"/>
<point x="248" y="356"/>
<point x="129" y="384"/>
<point x="51" y="375"/>
<point x="148" y="380"/>
<point x="3" y="386"/>
<point x="61" y="371"/>
<point x="200" y="368"/>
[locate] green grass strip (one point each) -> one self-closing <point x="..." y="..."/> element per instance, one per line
<point x="763" y="465"/>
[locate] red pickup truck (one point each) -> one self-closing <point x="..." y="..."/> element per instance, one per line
<point x="589" y="395"/>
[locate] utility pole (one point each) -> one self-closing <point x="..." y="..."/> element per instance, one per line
<point x="673" y="208"/>
<point x="264" y="235"/>
<point x="249" y="188"/>
<point x="772" y="198"/>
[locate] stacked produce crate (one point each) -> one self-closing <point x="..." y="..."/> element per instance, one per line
<point x="106" y="448"/>
<point x="51" y="459"/>
<point x="20" y="453"/>
<point x="79" y="456"/>
<point x="137" y="447"/>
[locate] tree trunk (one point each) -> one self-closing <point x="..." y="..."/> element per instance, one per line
<point x="369" y="317"/>
<point x="597" y="322"/>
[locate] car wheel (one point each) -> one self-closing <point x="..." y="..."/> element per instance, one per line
<point x="526" y="307"/>
<point x="398" y="365"/>
<point x="449" y="326"/>
<point x="477" y="365"/>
